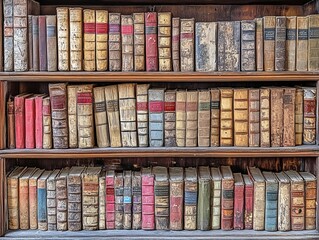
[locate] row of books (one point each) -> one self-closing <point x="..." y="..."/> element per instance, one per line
<point x="79" y="39"/>
<point x="135" y="115"/>
<point x="159" y="198"/>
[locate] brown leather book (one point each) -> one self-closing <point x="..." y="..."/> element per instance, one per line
<point x="170" y="118"/>
<point x="62" y="200"/>
<point x="101" y="39"/>
<point x="289" y="117"/>
<point x="127" y="43"/>
<point x="43" y="61"/>
<point x="241" y="117"/>
<point x="35" y="43"/>
<point x="115" y="42"/>
<point x="63" y="32"/>
<point x="226" y="117"/>
<point x="47" y="123"/>
<point x="51" y="200"/>
<point x="313" y="49"/>
<point x="309" y="119"/>
<point x="215" y="117"/>
<point x="269" y="42"/>
<point x="299" y="116"/>
<point x="190" y="199"/>
<point x="8" y="35"/>
<point x="142" y="113"/>
<point x="276" y="116"/>
<point x="204" y="118"/>
<point x="248" y="48"/>
<point x="139" y="41"/>
<point x="259" y="44"/>
<point x="89" y="41"/>
<point x="76" y="39"/>
<point x="187" y="45"/>
<point x="254" y="118"/>
<point x="10" y="123"/>
<point x="181" y="117"/>
<point x="291" y="43"/>
<point x="164" y="20"/>
<point x="176" y="44"/>
<point x="127" y="217"/>
<point x="227" y="203"/>
<point x="52" y="58"/>
<point x="280" y="43"/>
<point x="302" y="44"/>
<point x="191" y="118"/>
<point x="265" y="123"/>
<point x="33" y="198"/>
<point x="72" y="115"/>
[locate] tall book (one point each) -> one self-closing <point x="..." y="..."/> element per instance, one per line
<point x="206" y="46"/>
<point x="176" y="44"/>
<point x="142" y="114"/>
<point x="239" y="201"/>
<point x="137" y="200"/>
<point x="151" y="53"/>
<point x="254" y="117"/>
<point x="102" y="194"/>
<point x="30" y="43"/>
<point x="204" y="118"/>
<point x="190" y="199"/>
<point x="215" y="197"/>
<point x="47" y="124"/>
<point x="127" y="43"/>
<point x="127" y="107"/>
<point x="8" y="35"/>
<point x="241" y="117"/>
<point x="187" y="45"/>
<point x="89" y="40"/>
<point x="148" y="200"/>
<point x="170" y="118"/>
<point x="265" y="117"/>
<point x="214" y="117"/>
<point x="51" y="24"/>
<point x="226" y="117"/>
<point x="127" y="218"/>
<point x="249" y="201"/>
<point x="38" y="121"/>
<point x="248" y="45"/>
<point x="33" y="198"/>
<point x="101" y="39"/>
<point x="291" y="43"/>
<point x="276" y="116"/>
<point x="280" y="43"/>
<point x="10" y="123"/>
<point x="191" y="118"/>
<point x="42" y="201"/>
<point x="72" y="115"/>
<point x="313" y="49"/>
<point x="299" y="116"/>
<point x="115" y="62"/>
<point x="289" y="96"/>
<point x="119" y="200"/>
<point x="29" y="122"/>
<point x="76" y="39"/>
<point x="269" y="42"/>
<point x="302" y="43"/>
<point x="181" y="118"/>
<point x="176" y="181"/>
<point x="309" y="115"/>
<point x="139" y="41"/>
<point x="51" y="200"/>
<point x="204" y="193"/>
<point x="164" y="20"/>
<point x="259" y="44"/>
<point x="227" y="202"/>
<point x="110" y="199"/>
<point x="62" y="200"/>
<point x="63" y="33"/>
<point x="156" y="117"/>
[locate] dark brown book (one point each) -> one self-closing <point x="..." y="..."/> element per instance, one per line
<point x="280" y="44"/>
<point x="289" y="96"/>
<point x="276" y="106"/>
<point x="291" y="43"/>
<point x="248" y="48"/>
<point x="269" y="42"/>
<point x="227" y="211"/>
<point x="43" y="66"/>
<point x="259" y="44"/>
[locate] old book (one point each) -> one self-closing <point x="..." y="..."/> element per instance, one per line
<point x="313" y="49"/>
<point x="228" y="46"/>
<point x="101" y="202"/>
<point x="176" y="44"/>
<point x="259" y="44"/>
<point x="119" y="200"/>
<point x="191" y="118"/>
<point x="299" y="116"/>
<point x="310" y="200"/>
<point x="89" y="41"/>
<point x="297" y="209"/>
<point x="110" y="199"/>
<point x="204" y="193"/>
<point x="142" y="114"/>
<point x="241" y="117"/>
<point x="239" y="198"/>
<point x="254" y="117"/>
<point x="309" y="115"/>
<point x="249" y="201"/>
<point x="215" y="198"/>
<point x="51" y="201"/>
<point x="227" y="202"/>
<point x="74" y="191"/>
<point x="283" y="202"/>
<point x="43" y="58"/>
<point x="63" y="32"/>
<point x="127" y="217"/>
<point x="226" y="117"/>
<point x="181" y="118"/>
<point x="259" y="197"/>
<point x="10" y="123"/>
<point x="127" y="106"/>
<point x="187" y="45"/>
<point x="29" y="122"/>
<point x="176" y="179"/>
<point x="58" y="98"/>
<point x="265" y="117"/>
<point x="139" y="41"/>
<point x="271" y="201"/>
<point x="289" y="117"/>
<point x="170" y="118"/>
<point x="90" y="198"/>
<point x="291" y="43"/>
<point x="276" y="116"/>
<point x="100" y="118"/>
<point x="269" y="42"/>
<point x="280" y="43"/>
<point x="113" y="116"/>
<point x="204" y="118"/>
<point x="47" y="125"/>
<point x="156" y="117"/>
<point x="30" y="43"/>
<point x="76" y="39"/>
<point x="52" y="62"/>
<point x="8" y="35"/>
<point x="33" y="198"/>
<point x="190" y="199"/>
<point x="148" y="199"/>
<point x="248" y="45"/>
<point x="137" y="200"/>
<point x="42" y="201"/>
<point x="62" y="200"/>
<point x="164" y="20"/>
<point x="101" y="39"/>
<point x="127" y="42"/>
<point x="38" y="121"/>
<point x="205" y="46"/>
<point x="214" y="117"/>
<point x="151" y="51"/>
<point x="302" y="43"/>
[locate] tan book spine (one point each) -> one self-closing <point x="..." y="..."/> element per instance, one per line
<point x="191" y="118"/>
<point x="215" y="117"/>
<point x="102" y="209"/>
<point x="302" y="44"/>
<point x="310" y="202"/>
<point x="47" y="125"/>
<point x="51" y="201"/>
<point x="51" y="24"/>
<point x="259" y="44"/>
<point x="63" y="38"/>
<point x="62" y="203"/>
<point x="33" y="205"/>
<point x="284" y="205"/>
<point x="101" y="38"/>
<point x="142" y="114"/>
<point x="127" y="43"/>
<point x="313" y="47"/>
<point x="254" y="118"/>
<point x="76" y="41"/>
<point x="165" y="41"/>
<point x="115" y="42"/>
<point x="176" y="44"/>
<point x="204" y="118"/>
<point x="291" y="43"/>
<point x="72" y="116"/>
<point x="299" y="116"/>
<point x="187" y="45"/>
<point x="24" y="216"/>
<point x="170" y="118"/>
<point x="259" y="206"/>
<point x="269" y="43"/>
<point x="276" y="117"/>
<point x="89" y="41"/>
<point x="310" y="106"/>
<point x="226" y="117"/>
<point x="241" y="117"/>
<point x="265" y="117"/>
<point x="289" y="117"/>
<point x="139" y="41"/>
<point x="181" y="118"/>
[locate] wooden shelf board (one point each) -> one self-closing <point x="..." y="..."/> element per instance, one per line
<point x="157" y="76"/>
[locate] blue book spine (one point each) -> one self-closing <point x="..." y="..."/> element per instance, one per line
<point x="271" y="207"/>
<point x="42" y="205"/>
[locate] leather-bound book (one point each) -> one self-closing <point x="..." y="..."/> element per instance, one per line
<point x="204" y="195"/>
<point x="310" y="198"/>
<point x="313" y="49"/>
<point x="280" y="43"/>
<point x="299" y="116"/>
<point x="214" y="117"/>
<point x="259" y="44"/>
<point x="289" y="117"/>
<point x="30" y="122"/>
<point x="137" y="200"/>
<point x="8" y="35"/>
<point x="142" y="114"/>
<point x="127" y="218"/>
<point x="176" y="181"/>
<point x="259" y="197"/>
<point x="228" y="46"/>
<point x="10" y="123"/>
<point x="127" y="107"/>
<point x="51" y="200"/>
<point x="309" y="117"/>
<point x="249" y="202"/>
<point x="276" y="116"/>
<point x="30" y="43"/>
<point x="47" y="124"/>
<point x="164" y="20"/>
<point x="204" y="118"/>
<point x="62" y="200"/>
<point x="187" y="45"/>
<point x="205" y="46"/>
<point x="89" y="41"/>
<point x="302" y="43"/>
<point x="283" y="202"/>
<point x="101" y="39"/>
<point x="127" y="43"/>
<point x="190" y="199"/>
<point x="265" y="124"/>
<point x="215" y="198"/>
<point x="226" y="117"/>
<point x="90" y="198"/>
<point x="63" y="32"/>
<point x="254" y="117"/>
<point x="291" y="43"/>
<point x="101" y="207"/>
<point x="248" y="45"/>
<point x="110" y="199"/>
<point x="139" y="41"/>
<point x="115" y="56"/>
<point x="170" y="118"/>
<point x="74" y="191"/>
<point x="191" y="118"/>
<point x="43" y="61"/>
<point x="151" y="53"/>
<point x="38" y="121"/>
<point x="241" y="117"/>
<point x="33" y="198"/>
<point x="156" y="117"/>
<point x="76" y="39"/>
<point x="271" y="201"/>
<point x="42" y="201"/>
<point x="52" y="58"/>
<point x="181" y="118"/>
<point x="113" y="115"/>
<point x="148" y="200"/>
<point x="269" y="42"/>
<point x="297" y="208"/>
<point x="176" y="44"/>
<point x="227" y="203"/>
<point x="119" y="200"/>
<point x="239" y="198"/>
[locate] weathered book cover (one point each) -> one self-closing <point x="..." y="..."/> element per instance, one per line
<point x="119" y="200"/>
<point x="139" y="41"/>
<point x="309" y="119"/>
<point x="51" y="200"/>
<point x="271" y="201"/>
<point x="226" y="117"/>
<point x="276" y="116"/>
<point x="239" y="190"/>
<point x="269" y="42"/>
<point x="142" y="113"/>
<point x="102" y="199"/>
<point x="127" y="218"/>
<point x="72" y="115"/>
<point x="47" y="124"/>
<point x="63" y="32"/>
<point x="299" y="116"/>
<point x="313" y="49"/>
<point x="127" y="43"/>
<point x="187" y="45"/>
<point x="181" y="118"/>
<point x="204" y="118"/>
<point x="204" y="193"/>
<point x="215" y="198"/>
<point x="191" y="118"/>
<point x="248" y="45"/>
<point x="265" y="117"/>
<point x="291" y="43"/>
<point x="110" y="199"/>
<point x="8" y="35"/>
<point x="164" y="41"/>
<point x="101" y="39"/>
<point x="280" y="43"/>
<point x="302" y="43"/>
<point x="148" y="199"/>
<point x="289" y="117"/>
<point x="259" y="44"/>
<point x="29" y="122"/>
<point x="214" y="117"/>
<point x="254" y="117"/>
<point x="137" y="200"/>
<point x="38" y="122"/>
<point x="10" y="123"/>
<point x="62" y="200"/>
<point x="52" y="58"/>
<point x="151" y="41"/>
<point x="241" y="117"/>
<point x="227" y="203"/>
<point x="176" y="176"/>
<point x="89" y="40"/>
<point x="190" y="199"/>
<point x="249" y="202"/>
<point x="42" y="201"/>
<point x="170" y="118"/>
<point x="115" y="58"/>
<point x="30" y="42"/>
<point x="176" y="44"/>
<point x="283" y="202"/>
<point x="76" y="39"/>
<point x="33" y="198"/>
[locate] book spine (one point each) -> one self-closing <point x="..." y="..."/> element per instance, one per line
<point x="8" y="44"/>
<point x="142" y="114"/>
<point x="151" y="41"/>
<point x="187" y="45"/>
<point x="241" y="118"/>
<point x="74" y="192"/>
<point x="127" y="218"/>
<point x="127" y="43"/>
<point x="38" y="101"/>
<point x="227" y="215"/>
<point x="259" y="206"/>
<point x="89" y="41"/>
<point x="43" y="64"/>
<point x="254" y="117"/>
<point x="180" y="118"/>
<point x="30" y="43"/>
<point x="226" y="117"/>
<point x="289" y="117"/>
<point x="310" y="202"/>
<point x="42" y="205"/>
<point x="259" y="45"/>
<point x="115" y="42"/>
<point x="214" y="117"/>
<point x="170" y="119"/>
<point x="62" y="204"/>
<point x="276" y="116"/>
<point x="51" y="205"/>
<point x="101" y="211"/>
<point x="313" y="49"/>
<point x="10" y="124"/>
<point x="299" y="116"/>
<point x="215" y="204"/>
<point x="204" y="118"/>
<point x="72" y="115"/>
<point x="51" y="43"/>
<point x="33" y="204"/>
<point x="161" y="193"/>
<point x="280" y="43"/>
<point x="109" y="202"/>
<point x="297" y="209"/>
<point x="190" y="205"/>
<point x="101" y="39"/>
<point x="265" y="117"/>
<point x="302" y="44"/>
<point x="47" y="125"/>
<point x="309" y="127"/>
<point x="191" y="118"/>
<point x="139" y="41"/>
<point x="119" y="201"/>
<point x="269" y="43"/>
<point x="248" y="48"/>
<point x="291" y="43"/>
<point x="203" y="211"/>
<point x="249" y="201"/>
<point x="76" y="41"/>
<point x="137" y="201"/>
<point x="63" y="31"/>
<point x="24" y="204"/>
<point x="284" y="207"/>
<point x="239" y="207"/>
<point x="176" y="205"/>
<point x="13" y="203"/>
<point x="176" y="44"/>
<point x="165" y="41"/>
<point x="271" y="207"/>
<point x="148" y="203"/>
<point x="19" y="118"/>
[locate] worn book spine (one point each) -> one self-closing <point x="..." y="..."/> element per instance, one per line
<point x="51" y="201"/>
<point x="115" y="62"/>
<point x="215" y="203"/>
<point x="139" y="41"/>
<point x="291" y="43"/>
<point x="190" y="202"/>
<point x="164" y="41"/>
<point x="249" y="201"/>
<point x="33" y="203"/>
<point x="191" y="118"/>
<point x="226" y="117"/>
<point x="89" y="41"/>
<point x="148" y="202"/>
<point x="38" y="121"/>
<point x="24" y="222"/>
<point x="204" y="118"/>
<point x="241" y="118"/>
<point x="42" y="205"/>
<point x="8" y="35"/>
<point x="181" y="118"/>
<point x="151" y="51"/>
<point x="239" y="200"/>
<point x="156" y="117"/>
<point x="47" y="125"/>
<point x="30" y="43"/>
<point x="101" y="207"/>
<point x="137" y="200"/>
<point x="176" y="44"/>
<point x="280" y="43"/>
<point x="109" y="200"/>
<point x="289" y="117"/>
<point x="76" y="39"/>
<point x="52" y="57"/>
<point x="10" y="124"/>
<point x="227" y="204"/>
<point x="119" y="200"/>
<point x="284" y="206"/>
<point x="170" y="118"/>
<point x="142" y="114"/>
<point x="187" y="45"/>
<point x="297" y="209"/>
<point x="176" y="200"/>
<point x="101" y="39"/>
<point x="74" y="191"/>
<point x="299" y="116"/>
<point x="259" y="206"/>
<point x="72" y="115"/>
<point x="203" y="208"/>
<point x="19" y="121"/>
<point x="302" y="44"/>
<point x="265" y="117"/>
<point x="161" y="194"/>
<point x="29" y="123"/>
<point x="43" y="61"/>
<point x="259" y="44"/>
<point x="254" y="117"/>
<point x="276" y="117"/>
<point x="313" y="49"/>
<point x="310" y="204"/>
<point x="248" y="45"/>
<point x="269" y="42"/>
<point x="271" y="206"/>
<point x="127" y="43"/>
<point x="62" y="204"/>
<point x="309" y="119"/>
<point x="127" y="202"/>
<point x="63" y="31"/>
<point x="214" y="117"/>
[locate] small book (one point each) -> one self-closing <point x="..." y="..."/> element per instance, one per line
<point x="313" y="51"/>
<point x="187" y="45"/>
<point x="42" y="201"/>
<point x="139" y="41"/>
<point x="280" y="43"/>
<point x="204" y="118"/>
<point x="291" y="43"/>
<point x="72" y="115"/>
<point x="76" y="38"/>
<point x="170" y="118"/>
<point x="102" y="199"/>
<point x="176" y="44"/>
<point x="248" y="45"/>
<point x="226" y="117"/>
<point x="259" y="44"/>
<point x="142" y="114"/>
<point x="309" y="116"/>
<point x="51" y="200"/>
<point x="110" y="199"/>
<point x="47" y="124"/>
<point x="214" y="117"/>
<point x="115" y="58"/>
<point x="10" y="123"/>
<point x="241" y="117"/>
<point x="62" y="200"/>
<point x="151" y="51"/>
<point x="302" y="43"/>
<point x="127" y="43"/>
<point x="299" y="115"/>
<point x="148" y="199"/>
<point x="137" y="200"/>
<point x="119" y="200"/>
<point x="269" y="42"/>
<point x="276" y="116"/>
<point x="265" y="117"/>
<point x="38" y="122"/>
<point x="127" y="218"/>
<point x="254" y="117"/>
<point x="181" y="118"/>
<point x="289" y="102"/>
<point x="215" y="197"/>
<point x="89" y="41"/>
<point x="190" y="199"/>
<point x="227" y="203"/>
<point x="249" y="202"/>
<point x="63" y="33"/>
<point x="239" y="201"/>
<point x="191" y="118"/>
<point x="51" y="44"/>
<point x="30" y="122"/>
<point x="33" y="198"/>
<point x="101" y="39"/>
<point x="204" y="195"/>
<point x="164" y="41"/>
<point x="8" y="21"/>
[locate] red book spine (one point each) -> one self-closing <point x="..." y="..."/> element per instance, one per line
<point x="38" y="122"/>
<point x="239" y="207"/>
<point x="148" y="203"/>
<point x="43" y="43"/>
<point x="151" y="41"/>
<point x="110" y="203"/>
<point x="227" y="218"/>
<point x="29" y="123"/>
<point x="176" y="212"/>
<point x="249" y="203"/>
<point x="19" y="122"/>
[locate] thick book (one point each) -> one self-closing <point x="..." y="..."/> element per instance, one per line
<point x="214" y="117"/>
<point x="127" y="202"/>
<point x="110" y="199"/>
<point x="52" y="58"/>
<point x="164" y="20"/>
<point x="38" y="121"/>
<point x="248" y="45"/>
<point x="215" y="197"/>
<point x="33" y="198"/>
<point x="176" y="186"/>
<point x="119" y="200"/>
<point x="42" y="201"/>
<point x="280" y="43"/>
<point x="204" y="193"/>
<point x="89" y="41"/>
<point x="187" y="45"/>
<point x="101" y="39"/>
<point x="190" y="199"/>
<point x="206" y="46"/>
<point x="10" y="123"/>
<point x="51" y="200"/>
<point x="204" y="118"/>
<point x="226" y="117"/>
<point x="176" y="44"/>
<point x="254" y="117"/>
<point x="181" y="117"/>
<point x="191" y="118"/>
<point x="139" y="41"/>
<point x="264" y="117"/>
<point x="29" y="122"/>
<point x="259" y="44"/>
<point x="76" y="39"/>
<point x="302" y="43"/>
<point x="47" y="124"/>
<point x="276" y="116"/>
<point x="313" y="49"/>
<point x="151" y="51"/>
<point x="241" y="117"/>
<point x="249" y="202"/>
<point x="291" y="38"/>
<point x="137" y="200"/>
<point x="227" y="202"/>
<point x="148" y="200"/>
<point x="127" y="36"/>
<point x="269" y="42"/>
<point x="142" y="114"/>
<point x="43" y="61"/>
<point x="309" y="116"/>
<point x="62" y="200"/>
<point x="289" y="102"/>
<point x="101" y="207"/>
<point x="115" y="57"/>
<point x="8" y="35"/>
<point x="299" y="116"/>
<point x="63" y="34"/>
<point x="239" y="201"/>
<point x="170" y="118"/>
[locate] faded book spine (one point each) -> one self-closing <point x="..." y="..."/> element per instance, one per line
<point x="43" y="61"/>
<point x="127" y="43"/>
<point x="187" y="45"/>
<point x="271" y="207"/>
<point x="227" y="205"/>
<point x="265" y="117"/>
<point x="137" y="200"/>
<point x="19" y="121"/>
<point x="297" y="209"/>
<point x="24" y="222"/>
<point x="115" y="42"/>
<point x="276" y="116"/>
<point x="299" y="116"/>
<point x="101" y="208"/>
<point x="269" y="42"/>
<point x="139" y="41"/>
<point x="176" y="44"/>
<point x="291" y="43"/>
<point x="190" y="205"/>
<point x="151" y="41"/>
<point x="142" y="114"/>
<point x="127" y="202"/>
<point x="204" y="118"/>
<point x="62" y="204"/>
<point x="259" y="44"/>
<point x="74" y="192"/>
<point x="313" y="49"/>
<point x="42" y="205"/>
<point x="241" y="118"/>
<point x="109" y="201"/>
<point x="191" y="118"/>
<point x="176" y="205"/>
<point x="52" y="57"/>
<point x="248" y="215"/>
<point x="89" y="41"/>
<point x="215" y="117"/>
<point x="63" y="29"/>
<point x="289" y="117"/>
<point x="38" y="122"/>
<point x="302" y="44"/>
<point x="309" y="120"/>
<point x="35" y="43"/>
<point x="29" y="123"/>
<point x="170" y="118"/>
<point x="259" y="206"/>
<point x="226" y="117"/>
<point x="280" y="44"/>
<point x="47" y="125"/>
<point x="8" y="44"/>
<point x="284" y="206"/>
<point x="72" y="115"/>
<point x="148" y="202"/>
<point x="310" y="201"/>
<point x="76" y="40"/>
<point x="248" y="48"/>
<point x="203" y="207"/>
<point x="180" y="118"/>
<point x="164" y="41"/>
<point x="119" y="200"/>
<point x="101" y="39"/>
<point x="239" y="206"/>
<point x="254" y="117"/>
<point x="10" y="124"/>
